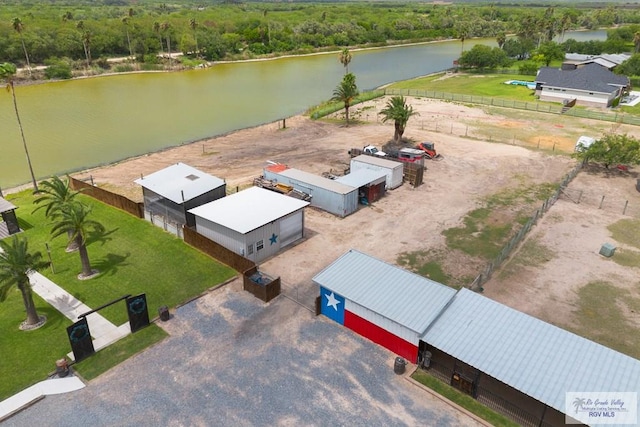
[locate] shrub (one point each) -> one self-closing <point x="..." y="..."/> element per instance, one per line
<point x="57" y="69"/>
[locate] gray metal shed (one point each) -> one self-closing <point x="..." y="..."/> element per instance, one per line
<point x="9" y="224"/>
<point x="172" y="191"/>
<point x="393" y="170"/>
<point x="534" y="357"/>
<point x="326" y="194"/>
<point x="255" y="223"/>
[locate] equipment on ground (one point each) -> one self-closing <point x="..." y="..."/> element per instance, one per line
<point x="429" y="149"/>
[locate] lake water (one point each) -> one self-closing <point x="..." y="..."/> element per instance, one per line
<point x="72" y="125"/>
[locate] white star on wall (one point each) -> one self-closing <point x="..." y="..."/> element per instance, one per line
<point x="332" y="301"/>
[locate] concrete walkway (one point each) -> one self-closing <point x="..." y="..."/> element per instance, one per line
<point x="102" y="331"/>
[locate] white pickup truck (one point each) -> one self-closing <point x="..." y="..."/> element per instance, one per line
<point x="373" y="151"/>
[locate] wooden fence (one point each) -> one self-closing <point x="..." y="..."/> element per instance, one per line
<point x="260" y="285"/>
<point x="112" y="199"/>
<point x="515" y="241"/>
<point x="217" y="251"/>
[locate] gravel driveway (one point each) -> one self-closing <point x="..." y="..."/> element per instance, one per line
<point x="232" y="360"/>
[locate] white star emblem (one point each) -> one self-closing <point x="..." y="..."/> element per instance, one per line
<point x="332" y="301"/>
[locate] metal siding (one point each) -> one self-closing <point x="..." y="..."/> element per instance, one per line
<point x="393" y="170"/>
<point x="406" y="298"/>
<point x="230" y="239"/>
<point x="382" y="322"/>
<point x="337" y="203"/>
<point x="264" y="233"/>
<point x="334" y="312"/>
<point x="381" y="336"/>
<point x="291" y="228"/>
<point x="537" y="358"/>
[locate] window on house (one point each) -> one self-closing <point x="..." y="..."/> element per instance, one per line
<point x="259" y="245"/>
<point x="250" y="249"/>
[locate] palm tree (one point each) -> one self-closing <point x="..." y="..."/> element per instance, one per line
<point x="16" y="263"/>
<point x="125" y="21"/>
<point x="165" y="27"/>
<point x="54" y="196"/>
<point x="7" y="72"/>
<point x="86" y="41"/>
<point x="193" y="24"/>
<point x="636" y="41"/>
<point x="345" y="58"/>
<point x="398" y="111"/>
<point x="67" y="16"/>
<point x="18" y="26"/>
<point x="346" y="92"/>
<point x="156" y="29"/>
<point x="501" y="38"/>
<point x="75" y="219"/>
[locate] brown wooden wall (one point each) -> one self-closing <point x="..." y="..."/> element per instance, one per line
<point x="217" y="251"/>
<point x="263" y="292"/>
<point x="112" y="199"/>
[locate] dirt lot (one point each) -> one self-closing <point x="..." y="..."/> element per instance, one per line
<point x="412" y="219"/>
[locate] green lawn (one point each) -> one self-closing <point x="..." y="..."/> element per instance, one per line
<point x="133" y="257"/>
<point x="466" y="401"/>
<point x="489" y="85"/>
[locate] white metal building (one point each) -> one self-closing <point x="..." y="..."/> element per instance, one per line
<point x="326" y="194"/>
<point x="170" y="192"/>
<point x="393" y="170"/>
<point x="255" y="223"/>
<point x="384" y="303"/>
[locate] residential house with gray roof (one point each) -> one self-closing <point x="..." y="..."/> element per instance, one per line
<point x="590" y="85"/>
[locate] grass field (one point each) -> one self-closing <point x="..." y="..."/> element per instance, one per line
<point x="133" y="257"/>
<point x="490" y="85"/>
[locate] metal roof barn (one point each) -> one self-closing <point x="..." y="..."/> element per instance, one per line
<point x="390" y="306"/>
<point x="532" y="356"/>
<point x="326" y="194"/>
<point x="255" y="223"/>
<point x="170" y="192"/>
<point x="393" y="170"/>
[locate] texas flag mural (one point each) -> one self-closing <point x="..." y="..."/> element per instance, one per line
<point x="332" y="305"/>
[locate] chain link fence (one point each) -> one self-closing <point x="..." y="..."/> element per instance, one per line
<point x="597" y="200"/>
<point x="542" y="107"/>
<point x="515" y="241"/>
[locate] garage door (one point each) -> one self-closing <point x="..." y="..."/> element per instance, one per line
<point x="291" y="229"/>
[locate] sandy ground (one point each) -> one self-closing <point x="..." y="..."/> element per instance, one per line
<point x="412" y="219"/>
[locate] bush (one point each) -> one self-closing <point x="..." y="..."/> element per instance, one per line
<point x="102" y="63"/>
<point x="57" y="69"/>
<point x="529" y="68"/>
<point x="123" y="68"/>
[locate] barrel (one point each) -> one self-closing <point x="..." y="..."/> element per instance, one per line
<point x="399" y="365"/>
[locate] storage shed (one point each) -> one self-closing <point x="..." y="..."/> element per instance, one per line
<point x="172" y="191"/>
<point x="255" y="223"/>
<point x="393" y="170"/>
<point x="9" y="224"/>
<point x="326" y="194"/>
<point x="492" y="351"/>
<point x="370" y="184"/>
<point x="386" y="304"/>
